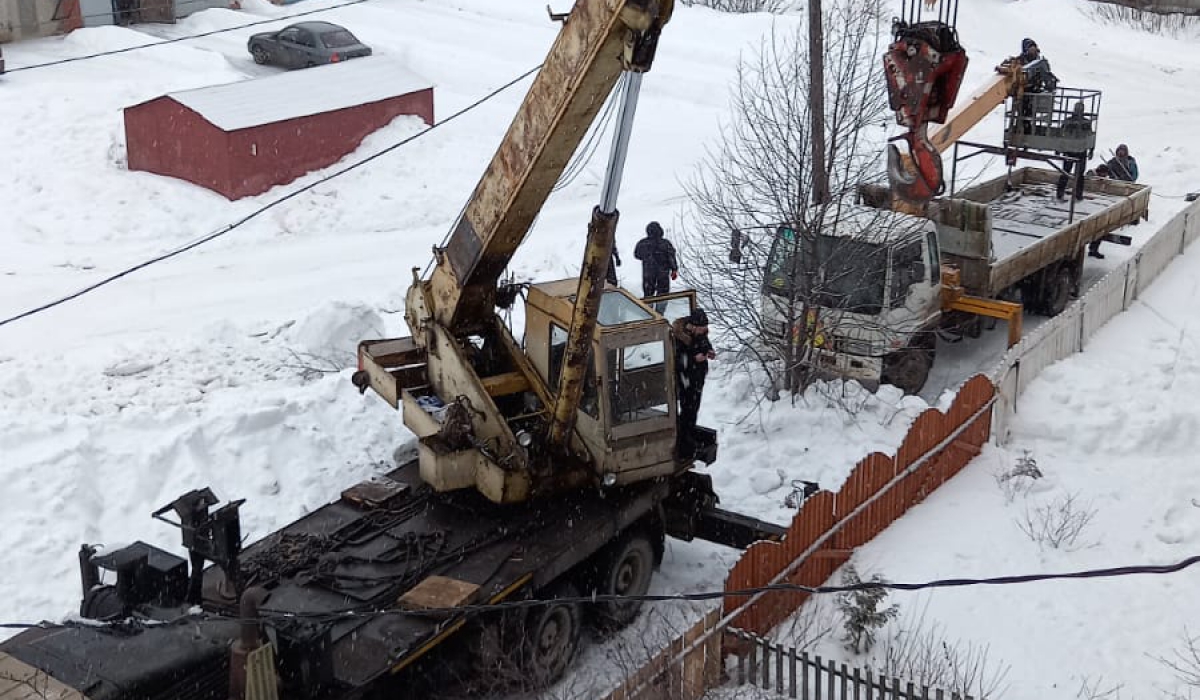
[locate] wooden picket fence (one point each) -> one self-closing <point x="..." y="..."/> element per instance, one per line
<point x="796" y="674"/>
<point x="880" y="489"/>
<point x="685" y="670"/>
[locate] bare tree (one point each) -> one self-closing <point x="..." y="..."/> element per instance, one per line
<point x="799" y="268"/>
<point x="920" y="652"/>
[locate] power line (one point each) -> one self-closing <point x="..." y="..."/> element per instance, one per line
<point x="266" y="207"/>
<point x="182" y="38"/>
<point x="1111" y="572"/>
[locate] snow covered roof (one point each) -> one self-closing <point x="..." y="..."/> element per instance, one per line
<point x="301" y="93"/>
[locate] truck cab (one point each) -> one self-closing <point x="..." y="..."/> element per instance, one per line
<point x="864" y="294"/>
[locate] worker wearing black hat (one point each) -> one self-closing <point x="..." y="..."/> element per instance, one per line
<point x="659" y="265"/>
<point x="692" y="353"/>
<point x="1035" y="103"/>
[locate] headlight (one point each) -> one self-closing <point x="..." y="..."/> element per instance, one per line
<point x="525" y="439"/>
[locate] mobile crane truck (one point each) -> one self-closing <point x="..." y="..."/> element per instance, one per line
<point x="546" y="470"/>
<point x="922" y="264"/>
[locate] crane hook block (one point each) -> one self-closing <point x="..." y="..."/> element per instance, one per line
<point x="924" y="67"/>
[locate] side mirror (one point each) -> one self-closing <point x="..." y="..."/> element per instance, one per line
<point x="735" y="247"/>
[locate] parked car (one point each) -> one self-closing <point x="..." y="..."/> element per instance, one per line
<point x="1" y="61"/>
<point x="306" y="44"/>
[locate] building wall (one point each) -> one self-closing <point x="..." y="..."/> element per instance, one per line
<point x="26" y="19"/>
<point x="274" y="154"/>
<point x="166" y="138"/>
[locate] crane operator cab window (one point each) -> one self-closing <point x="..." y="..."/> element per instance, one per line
<point x="637" y="381"/>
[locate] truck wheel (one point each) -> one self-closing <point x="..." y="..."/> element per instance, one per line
<point x="1057" y="292"/>
<point x="908" y="369"/>
<point x="626" y="569"/>
<point x="551" y="638"/>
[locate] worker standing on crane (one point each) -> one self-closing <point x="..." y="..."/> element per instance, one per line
<point x="659" y="264"/>
<point x="692" y="353"/>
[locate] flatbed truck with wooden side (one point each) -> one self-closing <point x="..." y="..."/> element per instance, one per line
<point x="994" y="249"/>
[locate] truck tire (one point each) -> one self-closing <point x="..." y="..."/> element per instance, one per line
<point x="551" y="637"/>
<point x="1056" y="293"/>
<point x="908" y="369"/>
<point x="625" y="568"/>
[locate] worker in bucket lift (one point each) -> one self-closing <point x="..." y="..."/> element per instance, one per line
<point x="1076" y="126"/>
<point x="692" y="353"/>
<point x="1039" y="80"/>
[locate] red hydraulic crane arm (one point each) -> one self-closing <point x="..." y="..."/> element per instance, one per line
<point x="924" y="66"/>
<point x="600" y="39"/>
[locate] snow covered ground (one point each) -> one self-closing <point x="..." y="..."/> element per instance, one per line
<point x="220" y="367"/>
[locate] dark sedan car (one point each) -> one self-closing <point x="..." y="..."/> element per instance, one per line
<point x="306" y="44"/>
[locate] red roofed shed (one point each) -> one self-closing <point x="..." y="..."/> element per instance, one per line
<point x="244" y="138"/>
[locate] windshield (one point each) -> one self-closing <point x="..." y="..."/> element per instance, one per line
<point x="337" y="39"/>
<point x="835" y="272"/>
<point x="616" y="308"/>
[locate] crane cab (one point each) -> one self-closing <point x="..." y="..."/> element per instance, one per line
<point x="626" y="419"/>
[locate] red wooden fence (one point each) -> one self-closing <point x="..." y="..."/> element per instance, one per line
<point x="879" y="490"/>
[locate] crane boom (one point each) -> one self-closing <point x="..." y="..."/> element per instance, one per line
<point x="600" y="39"/>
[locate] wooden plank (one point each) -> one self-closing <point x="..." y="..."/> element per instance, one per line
<point x="392" y="352"/>
<point x="839" y="555"/>
<point x="506" y="384"/>
<point x="438" y="592"/>
<point x="20" y="681"/>
<point x="766" y="667"/>
<point x="792" y="672"/>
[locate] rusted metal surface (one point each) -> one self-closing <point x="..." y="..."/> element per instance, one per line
<point x="596" y="259"/>
<point x="877" y="492"/>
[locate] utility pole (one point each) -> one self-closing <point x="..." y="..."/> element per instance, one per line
<point x="816" y="102"/>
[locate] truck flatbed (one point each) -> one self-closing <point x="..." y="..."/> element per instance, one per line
<point x="1031" y="213"/>
<point x="1007" y="229"/>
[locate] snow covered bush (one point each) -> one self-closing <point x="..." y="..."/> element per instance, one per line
<point x="1018" y="480"/>
<point x="920" y="653"/>
<point x="861" y="608"/>
<point x="1057" y="524"/>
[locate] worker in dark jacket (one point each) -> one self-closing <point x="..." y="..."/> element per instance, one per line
<point x="659" y="265"/>
<point x="1077" y="127"/>
<point x="692" y="353"/>
<point x="1038" y="80"/>
<point x="1038" y="76"/>
<point x="1123" y="166"/>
